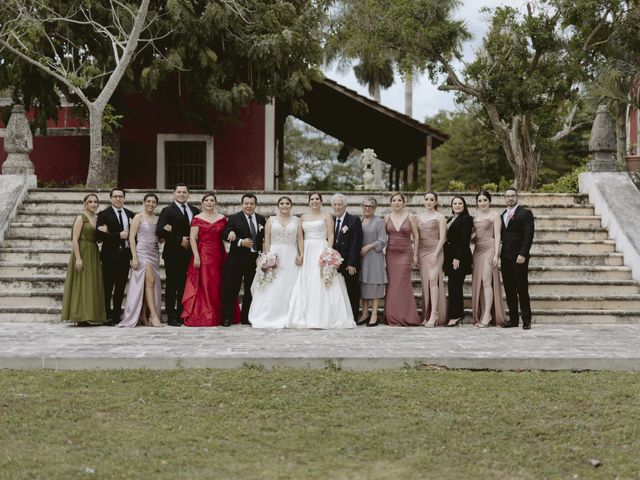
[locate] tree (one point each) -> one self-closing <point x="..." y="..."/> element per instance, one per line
<point x="211" y="55"/>
<point x="40" y="34"/>
<point x="311" y="161"/>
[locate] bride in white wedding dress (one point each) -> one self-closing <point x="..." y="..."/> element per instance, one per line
<point x="313" y="305"/>
<point x="283" y="235"/>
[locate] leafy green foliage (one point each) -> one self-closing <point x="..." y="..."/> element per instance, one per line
<point x="311" y="161"/>
<point x="566" y="184"/>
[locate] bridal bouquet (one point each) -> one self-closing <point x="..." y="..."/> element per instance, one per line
<point x="266" y="269"/>
<point x="330" y="261"/>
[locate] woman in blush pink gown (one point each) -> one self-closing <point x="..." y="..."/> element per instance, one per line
<point x="402" y="254"/>
<point x="486" y="292"/>
<point x="432" y="228"/>
<point x="202" y="299"/>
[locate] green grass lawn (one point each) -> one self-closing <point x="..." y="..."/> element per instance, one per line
<point x="319" y="424"/>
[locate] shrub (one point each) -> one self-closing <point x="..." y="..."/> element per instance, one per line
<point x="489" y="187"/>
<point x="455" y="186"/>
<point x="566" y="184"/>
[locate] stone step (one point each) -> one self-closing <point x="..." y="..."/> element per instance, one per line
<point x="58" y="255"/>
<point x="355" y="198"/>
<point x="44" y="314"/>
<point x="548" y="274"/>
<point x="564" y="287"/>
<point x="37" y="240"/>
<point x="65" y="220"/>
<point x="46" y="210"/>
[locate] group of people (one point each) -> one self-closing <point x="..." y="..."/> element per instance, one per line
<point x="377" y="259"/>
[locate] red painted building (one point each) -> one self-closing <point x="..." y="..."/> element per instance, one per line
<point x="159" y="147"/>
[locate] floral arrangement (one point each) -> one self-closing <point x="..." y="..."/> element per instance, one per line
<point x="266" y="269"/>
<point x="330" y="261"/>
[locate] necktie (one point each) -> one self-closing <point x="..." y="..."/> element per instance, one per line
<point x="337" y="232"/>
<point x="252" y="227"/>
<point x="123" y="244"/>
<point x="186" y="215"/>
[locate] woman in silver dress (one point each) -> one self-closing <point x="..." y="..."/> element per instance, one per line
<point x="373" y="274"/>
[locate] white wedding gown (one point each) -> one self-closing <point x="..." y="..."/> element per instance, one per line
<point x="270" y="305"/>
<point x="312" y="304"/>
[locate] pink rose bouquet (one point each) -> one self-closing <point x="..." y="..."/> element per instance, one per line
<point x="266" y="269"/>
<point x="330" y="261"/>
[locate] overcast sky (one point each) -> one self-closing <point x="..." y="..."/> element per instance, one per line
<point x="427" y="100"/>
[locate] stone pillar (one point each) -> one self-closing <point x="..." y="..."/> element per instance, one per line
<point x="18" y="143"/>
<point x="602" y="144"/>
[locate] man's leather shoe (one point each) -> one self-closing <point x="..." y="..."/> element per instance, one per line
<point x="172" y="322"/>
<point x="226" y="322"/>
<point x="509" y="325"/>
<point x="526" y="325"/>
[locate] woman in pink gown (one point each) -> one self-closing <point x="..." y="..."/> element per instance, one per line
<point x="486" y="292"/>
<point x="432" y="228"/>
<point x="402" y="254"/>
<point x="202" y="299"/>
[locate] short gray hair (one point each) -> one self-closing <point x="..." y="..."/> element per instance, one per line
<point x="339" y="197"/>
<point x="371" y="200"/>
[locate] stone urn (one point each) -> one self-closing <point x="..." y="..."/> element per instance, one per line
<point x="602" y="144"/>
<point x="18" y="143"/>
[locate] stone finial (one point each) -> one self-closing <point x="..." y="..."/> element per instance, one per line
<point x="602" y="144"/>
<point x="368" y="178"/>
<point x="18" y="143"/>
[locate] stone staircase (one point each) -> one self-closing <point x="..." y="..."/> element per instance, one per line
<point x="576" y="276"/>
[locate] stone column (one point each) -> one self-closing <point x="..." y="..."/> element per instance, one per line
<point x="602" y="144"/>
<point x="18" y="143"/>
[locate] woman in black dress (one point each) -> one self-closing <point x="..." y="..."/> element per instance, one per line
<point x="457" y="257"/>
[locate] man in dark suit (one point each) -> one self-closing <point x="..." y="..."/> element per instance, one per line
<point x="347" y="240"/>
<point x="174" y="225"/>
<point x="517" y="237"/>
<point x="113" y="231"/>
<point x="245" y="234"/>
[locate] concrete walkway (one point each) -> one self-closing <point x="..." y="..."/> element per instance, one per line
<point x="545" y="347"/>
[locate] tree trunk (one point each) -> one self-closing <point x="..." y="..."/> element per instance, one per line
<point x="621" y="139"/>
<point x="95" y="175"/>
<point x="111" y="157"/>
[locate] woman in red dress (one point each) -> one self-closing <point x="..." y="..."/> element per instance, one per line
<point x="202" y="299"/>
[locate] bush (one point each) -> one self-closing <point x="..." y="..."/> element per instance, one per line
<point x="566" y="184"/>
<point x="504" y="184"/>
<point x="455" y="186"/>
<point x="489" y="187"/>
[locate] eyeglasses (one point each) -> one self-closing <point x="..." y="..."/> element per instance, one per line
<point x="368" y="206"/>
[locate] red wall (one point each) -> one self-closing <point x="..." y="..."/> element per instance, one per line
<point x="238" y="150"/>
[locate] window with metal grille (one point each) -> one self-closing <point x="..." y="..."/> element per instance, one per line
<point x="186" y="162"/>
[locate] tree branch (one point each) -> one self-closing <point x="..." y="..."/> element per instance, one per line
<point x="456" y="83"/>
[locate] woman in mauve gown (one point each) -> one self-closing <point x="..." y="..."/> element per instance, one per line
<point x="432" y="229"/>
<point x="402" y="254"/>
<point x="486" y="292"/>
<point x="143" y="289"/>
<point x="202" y="299"/>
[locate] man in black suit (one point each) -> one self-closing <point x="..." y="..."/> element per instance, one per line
<point x="245" y="234"/>
<point x="517" y="237"/>
<point x="174" y="225"/>
<point x="113" y="231"/>
<point x="347" y="240"/>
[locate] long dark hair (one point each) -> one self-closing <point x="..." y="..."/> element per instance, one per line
<point x="465" y="210"/>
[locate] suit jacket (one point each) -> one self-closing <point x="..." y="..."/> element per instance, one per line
<point x="172" y="215"/>
<point x="349" y="242"/>
<point x="239" y="224"/>
<point x="111" y="245"/>
<point x="458" y="244"/>
<point x="518" y="236"/>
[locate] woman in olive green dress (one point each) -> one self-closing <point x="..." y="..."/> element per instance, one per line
<point x="83" y="299"/>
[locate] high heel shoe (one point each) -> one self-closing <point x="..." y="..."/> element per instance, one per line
<point x="484" y="324"/>
<point x="154" y="322"/>
<point x="430" y="323"/>
<point x="374" y="324"/>
<point x="455" y="322"/>
<point x="364" y="320"/>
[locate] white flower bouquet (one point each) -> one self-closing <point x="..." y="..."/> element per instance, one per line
<point x="266" y="269"/>
<point x="330" y="261"/>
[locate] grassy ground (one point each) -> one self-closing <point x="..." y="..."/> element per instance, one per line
<point x="329" y="424"/>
